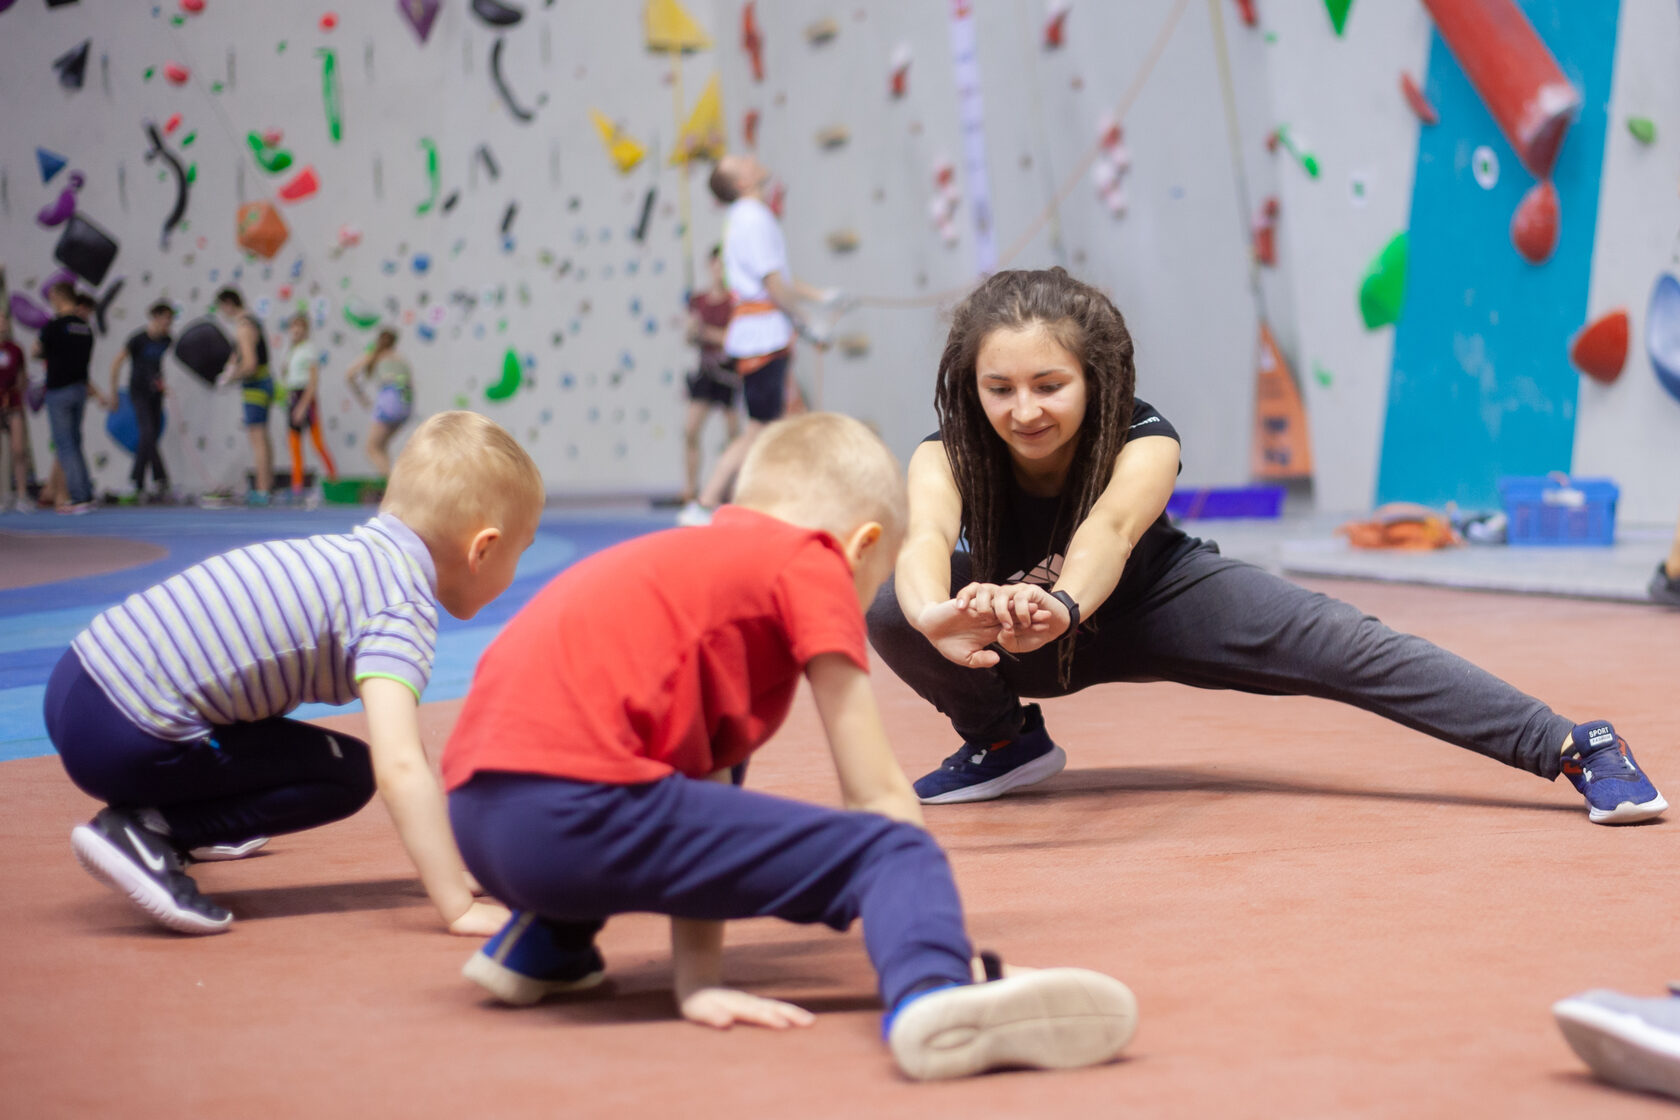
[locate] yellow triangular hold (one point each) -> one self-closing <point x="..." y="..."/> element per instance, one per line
<point x="671" y="28"/>
<point x="625" y="152"/>
<point x="703" y="137"/>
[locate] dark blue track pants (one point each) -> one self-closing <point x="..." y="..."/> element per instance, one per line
<point x="577" y="853"/>
<point x="246" y="780"/>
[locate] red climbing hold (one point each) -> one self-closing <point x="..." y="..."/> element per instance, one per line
<point x="329" y="21"/>
<point x="1245" y="8"/>
<point x="752" y="41"/>
<point x="192" y="7"/>
<point x="1055" y="28"/>
<point x="1419" y="103"/>
<point x="1600" y="350"/>
<point x="301" y="185"/>
<point x="176" y="73"/>
<point x="1534" y="227"/>
<point x="172" y="124"/>
<point x="749" y="128"/>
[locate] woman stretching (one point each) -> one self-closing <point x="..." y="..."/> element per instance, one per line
<point x="1058" y="480"/>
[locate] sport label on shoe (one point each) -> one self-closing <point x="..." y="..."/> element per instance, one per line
<point x="1600" y="736"/>
<point x="155" y="862"/>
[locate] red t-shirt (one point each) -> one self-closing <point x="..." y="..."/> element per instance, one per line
<point x="11" y="376"/>
<point x="677" y="652"/>
<point x="713" y="313"/>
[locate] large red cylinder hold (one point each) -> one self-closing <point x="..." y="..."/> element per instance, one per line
<point x="1518" y="79"/>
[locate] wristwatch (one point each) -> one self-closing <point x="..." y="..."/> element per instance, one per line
<point x="1072" y="608"/>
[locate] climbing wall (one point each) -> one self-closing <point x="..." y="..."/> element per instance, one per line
<point x="1629" y="429"/>
<point x="462" y="191"/>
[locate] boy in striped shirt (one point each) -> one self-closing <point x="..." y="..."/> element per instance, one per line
<point x="171" y="706"/>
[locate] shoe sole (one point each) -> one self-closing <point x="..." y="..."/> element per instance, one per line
<point x="217" y="853"/>
<point x="1627" y="812"/>
<point x="517" y="989"/>
<point x="1060" y="1018"/>
<point x="1045" y="766"/>
<point x="1621" y="1048"/>
<point x="106" y="862"/>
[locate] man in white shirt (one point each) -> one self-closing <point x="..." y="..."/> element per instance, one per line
<point x="760" y="335"/>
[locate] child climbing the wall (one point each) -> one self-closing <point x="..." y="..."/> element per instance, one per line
<point x="302" y="382"/>
<point x="171" y="706"/>
<point x="711" y="387"/>
<point x="394" y="395"/>
<point x="590" y="772"/>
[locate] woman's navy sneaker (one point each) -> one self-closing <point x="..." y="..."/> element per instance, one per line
<point x="1603" y="769"/>
<point x="978" y="772"/>
<point x="120" y="851"/>
<point x="523" y="963"/>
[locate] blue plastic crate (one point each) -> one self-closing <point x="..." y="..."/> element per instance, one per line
<point x="1559" y="510"/>
<point x="1230" y="502"/>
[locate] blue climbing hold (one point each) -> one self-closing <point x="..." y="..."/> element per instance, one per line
<point x="51" y="163"/>
<point x="1662" y="333"/>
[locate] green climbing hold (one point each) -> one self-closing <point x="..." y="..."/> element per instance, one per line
<point x="192" y="177"/>
<point x="1643" y="129"/>
<point x="280" y="47"/>
<point x="177" y="21"/>
<point x="215" y="87"/>
<point x="1338" y="10"/>
<point x="1322" y="375"/>
<point x="512" y="374"/>
<point x="150" y="70"/>
<point x="461" y="401"/>
<point x="1384" y="285"/>
<point x="187" y="140"/>
<point x="361" y="317"/>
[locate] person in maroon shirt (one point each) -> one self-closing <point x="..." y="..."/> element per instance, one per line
<point x="12" y="376"/>
<point x="712" y="386"/>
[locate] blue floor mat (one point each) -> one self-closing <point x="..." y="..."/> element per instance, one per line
<point x="37" y="623"/>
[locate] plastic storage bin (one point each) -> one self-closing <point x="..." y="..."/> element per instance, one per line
<point x="1233" y="502"/>
<point x="1559" y="510"/>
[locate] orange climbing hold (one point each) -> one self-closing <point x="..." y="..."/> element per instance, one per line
<point x="1055" y="25"/>
<point x="1281" y="448"/>
<point x="261" y="230"/>
<point x="1600" y="350"/>
<point x="1534" y="227"/>
<point x="1419" y="103"/>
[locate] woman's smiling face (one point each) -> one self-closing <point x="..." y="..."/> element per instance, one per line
<point x="1033" y="391"/>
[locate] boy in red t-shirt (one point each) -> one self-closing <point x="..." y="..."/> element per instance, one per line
<point x="578" y="771"/>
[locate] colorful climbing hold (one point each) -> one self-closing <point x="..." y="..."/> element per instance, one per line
<point x="1383" y="288"/>
<point x="512" y="374"/>
<point x="420" y="15"/>
<point x="1484" y="165"/>
<point x="268" y="157"/>
<point x="176" y="73"/>
<point x="50" y="163"/>
<point x="1600" y="350"/>
<point x="1338" y="10"/>
<point x="329" y="21"/>
<point x="1281" y="138"/>
<point x="329" y="93"/>
<point x="1662" y="333"/>
<point x="301" y="185"/>
<point x="192" y="7"/>
<point x="1643" y="129"/>
<point x="1416" y="99"/>
<point x="1534" y="227"/>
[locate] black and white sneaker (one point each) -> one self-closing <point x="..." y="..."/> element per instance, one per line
<point x="120" y="851"/>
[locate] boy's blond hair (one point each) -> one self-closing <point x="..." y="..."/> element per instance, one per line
<point x="825" y="471"/>
<point x="462" y="472"/>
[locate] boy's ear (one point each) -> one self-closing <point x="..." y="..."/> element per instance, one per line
<point x="861" y="540"/>
<point x="481" y="544"/>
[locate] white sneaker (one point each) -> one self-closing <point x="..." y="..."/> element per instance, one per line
<point x="1059" y="1018"/>
<point x="694" y="514"/>
<point x="216" y="853"/>
<point x="24" y="505"/>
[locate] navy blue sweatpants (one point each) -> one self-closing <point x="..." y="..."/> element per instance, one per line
<point x="246" y="780"/>
<point x="577" y="853"/>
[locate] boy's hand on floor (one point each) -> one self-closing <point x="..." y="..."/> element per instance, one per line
<point x="481" y="920"/>
<point x="724" y="1007"/>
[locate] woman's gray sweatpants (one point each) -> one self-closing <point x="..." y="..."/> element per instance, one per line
<point x="1212" y="622"/>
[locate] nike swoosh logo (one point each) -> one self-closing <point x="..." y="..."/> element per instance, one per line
<point x="155" y="862"/>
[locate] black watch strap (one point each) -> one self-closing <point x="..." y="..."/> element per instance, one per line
<point x="1072" y="607"/>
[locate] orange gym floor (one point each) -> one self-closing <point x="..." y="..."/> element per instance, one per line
<point x="1322" y="914"/>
